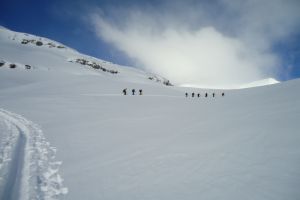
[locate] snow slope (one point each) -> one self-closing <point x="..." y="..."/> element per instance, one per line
<point x="157" y="146"/>
<point x="27" y="166"/>
<point x="268" y="81"/>
<point x="259" y="83"/>
<point x="48" y="58"/>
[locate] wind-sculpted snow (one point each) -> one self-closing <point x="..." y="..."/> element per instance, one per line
<point x="28" y="169"/>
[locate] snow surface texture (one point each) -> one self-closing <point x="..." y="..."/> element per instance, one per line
<point x="264" y="82"/>
<point x="268" y="81"/>
<point x="157" y="146"/>
<point x="28" y="169"/>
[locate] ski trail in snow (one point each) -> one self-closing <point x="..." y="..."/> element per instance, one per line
<point x="28" y="169"/>
<point x="13" y="185"/>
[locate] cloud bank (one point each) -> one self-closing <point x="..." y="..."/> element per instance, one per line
<point x="220" y="44"/>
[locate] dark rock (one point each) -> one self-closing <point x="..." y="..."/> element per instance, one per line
<point x="81" y="61"/>
<point x="24" y="41"/>
<point x="113" y="71"/>
<point x="94" y="65"/>
<point x="167" y="83"/>
<point x="51" y="45"/>
<point x="39" y="43"/>
<point x="2" y="63"/>
<point x="12" y="66"/>
<point x="27" y="66"/>
<point x="164" y="81"/>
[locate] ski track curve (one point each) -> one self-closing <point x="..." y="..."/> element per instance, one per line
<point x="28" y="170"/>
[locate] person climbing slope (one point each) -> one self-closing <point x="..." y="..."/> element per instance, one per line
<point x="125" y="91"/>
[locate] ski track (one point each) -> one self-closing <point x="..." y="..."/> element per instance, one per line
<point x="28" y="169"/>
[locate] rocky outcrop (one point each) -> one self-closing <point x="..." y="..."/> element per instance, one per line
<point x="160" y="80"/>
<point x="40" y="43"/>
<point x="10" y="65"/>
<point x="94" y="65"/>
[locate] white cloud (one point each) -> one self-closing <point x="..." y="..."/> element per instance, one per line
<point x="223" y="45"/>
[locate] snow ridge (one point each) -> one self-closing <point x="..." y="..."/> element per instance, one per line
<point x="27" y="161"/>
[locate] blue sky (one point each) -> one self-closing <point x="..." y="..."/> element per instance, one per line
<point x="57" y="20"/>
<point x="69" y="22"/>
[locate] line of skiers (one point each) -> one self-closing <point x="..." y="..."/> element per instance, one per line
<point x="133" y="91"/>
<point x="205" y="95"/>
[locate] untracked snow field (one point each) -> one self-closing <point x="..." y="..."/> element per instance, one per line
<point x="158" y="146"/>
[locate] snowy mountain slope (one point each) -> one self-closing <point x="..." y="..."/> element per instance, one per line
<point x="268" y="81"/>
<point x="43" y="54"/>
<point x="259" y="83"/>
<point x="160" y="145"/>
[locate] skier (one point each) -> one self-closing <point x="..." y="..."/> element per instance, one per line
<point x="133" y="91"/>
<point x="193" y="94"/>
<point x="206" y="94"/>
<point x="186" y="94"/>
<point x="198" y="95"/>
<point x="141" y="92"/>
<point x="125" y="91"/>
<point x="213" y="94"/>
